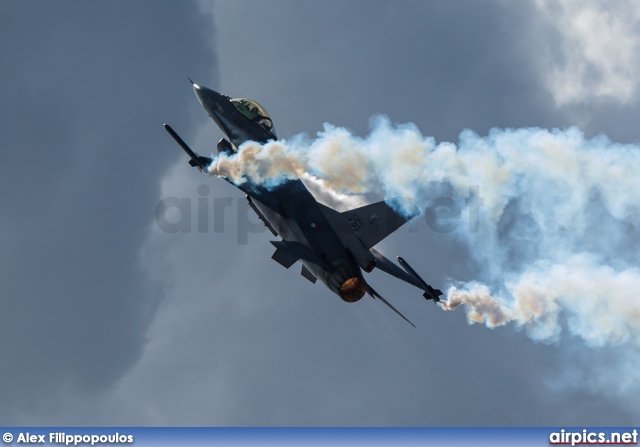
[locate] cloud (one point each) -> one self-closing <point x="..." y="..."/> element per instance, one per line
<point x="599" y="50"/>
<point x="83" y="121"/>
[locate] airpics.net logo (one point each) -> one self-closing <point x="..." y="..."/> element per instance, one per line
<point x="592" y="437"/>
<point x="442" y="214"/>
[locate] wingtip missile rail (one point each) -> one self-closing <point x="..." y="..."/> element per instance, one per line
<point x="196" y="160"/>
<point x="429" y="292"/>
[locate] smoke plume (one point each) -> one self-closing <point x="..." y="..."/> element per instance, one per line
<point x="555" y="238"/>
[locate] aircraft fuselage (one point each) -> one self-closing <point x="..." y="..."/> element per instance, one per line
<point x="290" y="209"/>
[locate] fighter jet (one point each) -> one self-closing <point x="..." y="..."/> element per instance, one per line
<point x="334" y="247"/>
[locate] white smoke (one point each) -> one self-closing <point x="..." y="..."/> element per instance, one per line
<point x="556" y="240"/>
<point x="599" y="42"/>
<point x="325" y="194"/>
<point x="600" y="304"/>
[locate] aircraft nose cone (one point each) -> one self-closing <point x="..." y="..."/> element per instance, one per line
<point x="205" y="95"/>
<point x="199" y="91"/>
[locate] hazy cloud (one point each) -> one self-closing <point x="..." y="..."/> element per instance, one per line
<point x="84" y="99"/>
<point x="599" y="48"/>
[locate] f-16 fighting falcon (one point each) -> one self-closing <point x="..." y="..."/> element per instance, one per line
<point x="334" y="247"/>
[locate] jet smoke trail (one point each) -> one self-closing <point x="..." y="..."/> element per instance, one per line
<point x="557" y="239"/>
<point x="599" y="303"/>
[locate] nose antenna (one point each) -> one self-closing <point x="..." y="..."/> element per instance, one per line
<point x="190" y="80"/>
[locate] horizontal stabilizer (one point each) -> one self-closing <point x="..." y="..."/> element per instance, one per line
<point x="284" y="259"/>
<point x="299" y="251"/>
<point x="307" y="274"/>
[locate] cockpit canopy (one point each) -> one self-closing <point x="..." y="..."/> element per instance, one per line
<point x="254" y="112"/>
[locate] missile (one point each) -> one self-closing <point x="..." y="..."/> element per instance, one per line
<point x="429" y="292"/>
<point x="197" y="161"/>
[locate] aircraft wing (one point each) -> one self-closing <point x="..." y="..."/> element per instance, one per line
<point x="408" y="275"/>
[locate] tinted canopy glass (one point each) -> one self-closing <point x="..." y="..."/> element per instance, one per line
<point x="254" y="112"/>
